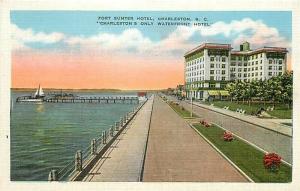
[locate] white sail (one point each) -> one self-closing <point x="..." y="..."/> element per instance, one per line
<point x="39" y="92"/>
<point x="36" y="93"/>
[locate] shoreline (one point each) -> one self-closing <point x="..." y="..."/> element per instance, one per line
<point x="78" y="90"/>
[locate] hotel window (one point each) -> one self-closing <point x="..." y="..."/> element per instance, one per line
<point x="223" y="71"/>
<point x="256" y="68"/>
<point x="261" y="67"/>
<point x="239" y="64"/>
<point x="261" y="55"/>
<point x="279" y="67"/>
<point x="223" y="65"/>
<point x="252" y="69"/>
<point x="249" y="69"/>
<point x="248" y="74"/>
<point x="256" y="56"/>
<point x="270" y="61"/>
<point x="240" y="69"/>
<point x="261" y="73"/>
<point x="245" y="58"/>
<point x="256" y="74"/>
<point x="252" y="63"/>
<point x="245" y="64"/>
<point x="279" y="73"/>
<point x="245" y="69"/>
<point x="233" y="69"/>
<point x="240" y="58"/>
<point x="279" y="61"/>
<point x="256" y="62"/>
<point x="212" y="72"/>
<point x="270" y="73"/>
<point x="211" y="59"/>
<point x="239" y="75"/>
<point x="232" y="64"/>
<point x="270" y="67"/>
<point x="252" y="74"/>
<point x="212" y="85"/>
<point x="223" y="78"/>
<point x="223" y="59"/>
<point x="212" y="65"/>
<point x="261" y="61"/>
<point x="245" y="75"/>
<point x="211" y="77"/>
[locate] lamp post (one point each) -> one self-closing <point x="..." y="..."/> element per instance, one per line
<point x="191" y="101"/>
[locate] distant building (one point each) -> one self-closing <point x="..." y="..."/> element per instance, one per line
<point x="210" y="66"/>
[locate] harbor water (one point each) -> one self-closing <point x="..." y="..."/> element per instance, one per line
<point x="46" y="136"/>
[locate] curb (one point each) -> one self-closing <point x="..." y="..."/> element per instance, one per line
<point x="146" y="146"/>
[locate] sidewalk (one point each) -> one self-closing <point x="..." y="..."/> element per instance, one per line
<point x="123" y="161"/>
<point x="176" y="152"/>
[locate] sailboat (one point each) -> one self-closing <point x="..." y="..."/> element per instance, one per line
<point x="38" y="96"/>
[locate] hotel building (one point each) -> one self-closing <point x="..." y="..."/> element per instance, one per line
<point x="210" y="66"/>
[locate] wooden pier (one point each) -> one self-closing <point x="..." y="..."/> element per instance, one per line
<point x="119" y="99"/>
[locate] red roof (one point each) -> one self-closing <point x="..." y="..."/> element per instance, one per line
<point x="209" y="46"/>
<point x="260" y="50"/>
<point x="142" y="94"/>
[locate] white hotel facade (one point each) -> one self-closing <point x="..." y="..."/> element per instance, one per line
<point x="210" y="66"/>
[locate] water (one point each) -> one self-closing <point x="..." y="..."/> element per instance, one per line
<point x="46" y="136"/>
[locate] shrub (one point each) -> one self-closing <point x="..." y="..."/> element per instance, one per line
<point x="227" y="136"/>
<point x="272" y="161"/>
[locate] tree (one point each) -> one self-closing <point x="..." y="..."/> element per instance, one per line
<point x="261" y="90"/>
<point x="274" y="89"/>
<point x="287" y="85"/>
<point x="230" y="87"/>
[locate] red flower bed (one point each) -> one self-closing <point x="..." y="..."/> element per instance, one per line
<point x="227" y="136"/>
<point x="272" y="161"/>
<point x="205" y="124"/>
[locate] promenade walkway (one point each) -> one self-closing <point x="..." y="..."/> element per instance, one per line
<point x="176" y="152"/>
<point x="123" y="161"/>
<point x="265" y="138"/>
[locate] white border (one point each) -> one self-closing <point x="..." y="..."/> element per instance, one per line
<point x="190" y="5"/>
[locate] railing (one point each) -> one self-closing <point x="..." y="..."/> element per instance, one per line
<point x="97" y="147"/>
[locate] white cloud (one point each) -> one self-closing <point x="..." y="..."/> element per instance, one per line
<point x="22" y="36"/>
<point x="128" y="39"/>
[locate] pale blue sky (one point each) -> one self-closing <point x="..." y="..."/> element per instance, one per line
<point x="83" y="23"/>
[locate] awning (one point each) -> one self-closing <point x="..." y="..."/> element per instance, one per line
<point x="224" y="93"/>
<point x="213" y="92"/>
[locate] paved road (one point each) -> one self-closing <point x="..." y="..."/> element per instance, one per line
<point x="266" y="139"/>
<point x="176" y="152"/>
<point x="123" y="161"/>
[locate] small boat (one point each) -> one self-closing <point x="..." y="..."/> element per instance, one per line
<point x="37" y="97"/>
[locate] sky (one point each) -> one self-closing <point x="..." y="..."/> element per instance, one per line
<point x="69" y="49"/>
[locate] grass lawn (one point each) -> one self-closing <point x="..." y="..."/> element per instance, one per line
<point x="246" y="157"/>
<point x="181" y="110"/>
<point x="281" y="111"/>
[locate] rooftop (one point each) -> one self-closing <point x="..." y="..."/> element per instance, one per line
<point x="209" y="46"/>
<point x="236" y="52"/>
